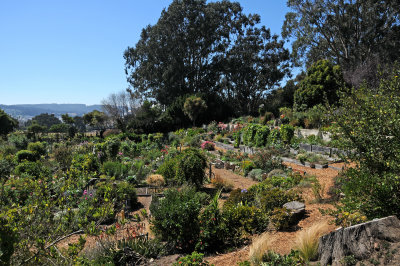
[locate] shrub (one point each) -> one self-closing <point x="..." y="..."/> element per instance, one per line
<point x="261" y="137"/>
<point x="85" y="162"/>
<point x="208" y="145"/>
<point x="287" y="133"/>
<point x="307" y="240"/>
<point x="272" y="258"/>
<point x="26" y="155"/>
<point x="274" y="136"/>
<point x="247" y="166"/>
<point x="112" y="147"/>
<point x="38" y="148"/>
<point x="122" y="191"/>
<point x="249" y="134"/>
<point x="212" y="230"/>
<point x="272" y="197"/>
<point x="176" y="217"/>
<point x="195" y="259"/>
<point x="242" y="220"/>
<point x="115" y="169"/>
<point x="191" y="166"/>
<point x="239" y="196"/>
<point x="256" y="174"/>
<point x="8" y="239"/>
<point x="280" y="218"/>
<point x="168" y="169"/>
<point x="19" y="140"/>
<point x="63" y="155"/>
<point x="155" y="180"/>
<point x="276" y="172"/>
<point x="34" y="169"/>
<point x="236" y="137"/>
<point x="267" y="160"/>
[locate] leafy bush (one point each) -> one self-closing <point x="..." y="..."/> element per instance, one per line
<point x="249" y="134"/>
<point x="261" y="137"/>
<point x="26" y="155"/>
<point x="256" y="174"/>
<point x="287" y="133"/>
<point x="270" y="198"/>
<point x="208" y="145"/>
<point x="267" y="160"/>
<point x="63" y="155"/>
<point x="85" y="162"/>
<point x="280" y="218"/>
<point x="168" y="169"/>
<point x="212" y="230"/>
<point x="8" y="239"/>
<point x="19" y="140"/>
<point x="191" y="166"/>
<point x="194" y="259"/>
<point x="274" y="136"/>
<point x="272" y="258"/>
<point x="112" y="147"/>
<point x="285" y="182"/>
<point x="38" y="148"/>
<point x="239" y="196"/>
<point x="34" y="169"/>
<point x="115" y="169"/>
<point x="176" y="217"/>
<point x="121" y="192"/>
<point x="247" y="166"/>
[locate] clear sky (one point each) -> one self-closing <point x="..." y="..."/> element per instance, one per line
<point x="71" y="51"/>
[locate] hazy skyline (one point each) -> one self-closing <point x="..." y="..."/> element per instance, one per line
<point x="72" y="51"/>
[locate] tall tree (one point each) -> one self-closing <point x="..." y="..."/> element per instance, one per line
<point x="255" y="65"/>
<point x="119" y="106"/>
<point x="180" y="54"/>
<point x="196" y="46"/>
<point x="7" y="123"/>
<point x="351" y="33"/>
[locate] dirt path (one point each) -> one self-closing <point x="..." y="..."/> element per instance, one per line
<point x="282" y="242"/>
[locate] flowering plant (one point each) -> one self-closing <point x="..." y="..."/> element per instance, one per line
<point x="208" y="145"/>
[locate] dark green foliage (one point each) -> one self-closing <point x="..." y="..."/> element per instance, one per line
<point x="121" y="191"/>
<point x="240" y="196"/>
<point x="86" y="162"/>
<point x="249" y="134"/>
<point x="34" y="169"/>
<point x="193" y="107"/>
<point x="59" y="128"/>
<point x="176" y="217"/>
<point x="191" y="167"/>
<point x="7" y="123"/>
<point x="7" y="241"/>
<point x="26" y="155"/>
<point x="112" y="147"/>
<point x="280" y="218"/>
<point x="38" y="148"/>
<point x="6" y="167"/>
<point x="45" y="120"/>
<point x="212" y="230"/>
<point x="320" y="86"/>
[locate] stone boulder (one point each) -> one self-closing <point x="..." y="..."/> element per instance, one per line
<point x="359" y="240"/>
<point x="219" y="164"/>
<point x="297" y="210"/>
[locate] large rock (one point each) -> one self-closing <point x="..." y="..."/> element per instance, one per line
<point x="358" y="240"/>
<point x="297" y="210"/>
<point x="219" y="164"/>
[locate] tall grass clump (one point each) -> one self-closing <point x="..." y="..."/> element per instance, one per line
<point x="260" y="245"/>
<point x="307" y="240"/>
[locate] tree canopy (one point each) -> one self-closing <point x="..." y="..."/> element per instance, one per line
<point x="350" y="33"/>
<point x="7" y="123"/>
<point x="205" y="48"/>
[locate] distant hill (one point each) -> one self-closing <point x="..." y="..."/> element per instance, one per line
<point x="27" y="111"/>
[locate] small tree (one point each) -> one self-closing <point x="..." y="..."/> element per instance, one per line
<point x="193" y="107"/>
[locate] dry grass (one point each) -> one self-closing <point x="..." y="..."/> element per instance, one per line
<point x="221" y="183"/>
<point x="307" y="240"/>
<point x="155" y="180"/>
<point x="260" y="245"/>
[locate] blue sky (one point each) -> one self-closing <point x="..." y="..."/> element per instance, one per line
<point x="70" y="51"/>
